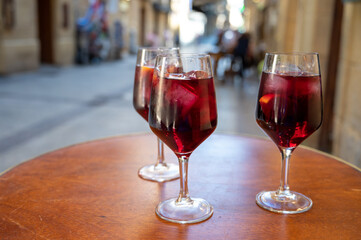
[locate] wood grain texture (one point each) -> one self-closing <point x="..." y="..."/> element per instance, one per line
<point x="92" y="191"/>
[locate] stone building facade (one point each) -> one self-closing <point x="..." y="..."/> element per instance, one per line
<point x="19" y="44"/>
<point x="40" y="31"/>
<point x="347" y="120"/>
<point x="44" y="31"/>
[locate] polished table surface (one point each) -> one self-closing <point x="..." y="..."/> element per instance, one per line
<point x="92" y="191"/>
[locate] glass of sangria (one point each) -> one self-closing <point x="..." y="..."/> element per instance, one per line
<point x="160" y="171"/>
<point x="183" y="113"/>
<point x="289" y="109"/>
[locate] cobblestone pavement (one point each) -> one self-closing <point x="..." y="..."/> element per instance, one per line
<point x="55" y="107"/>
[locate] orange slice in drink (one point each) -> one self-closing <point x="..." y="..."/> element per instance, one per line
<point x="265" y="99"/>
<point x="267" y="104"/>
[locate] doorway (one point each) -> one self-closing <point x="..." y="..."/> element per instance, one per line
<point x="45" y="31"/>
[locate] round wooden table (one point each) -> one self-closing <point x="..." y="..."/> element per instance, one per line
<point x="92" y="191"/>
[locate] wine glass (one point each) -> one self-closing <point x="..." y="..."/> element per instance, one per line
<point x="160" y="171"/>
<point x="289" y="109"/>
<point x="183" y="113"/>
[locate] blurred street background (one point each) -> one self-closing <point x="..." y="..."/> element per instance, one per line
<point x="56" y="107"/>
<point x="67" y="66"/>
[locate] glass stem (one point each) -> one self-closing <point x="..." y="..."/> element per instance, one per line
<point x="284" y="189"/>
<point x="183" y="197"/>
<point x="160" y="160"/>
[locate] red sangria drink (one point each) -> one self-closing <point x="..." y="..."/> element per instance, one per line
<point x="289" y="109"/>
<point x="183" y="113"/>
<point x="160" y="171"/>
<point x="186" y="114"/>
<point x="141" y="95"/>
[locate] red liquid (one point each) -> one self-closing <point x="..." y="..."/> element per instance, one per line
<point x="141" y="94"/>
<point x="183" y="112"/>
<point x="289" y="108"/>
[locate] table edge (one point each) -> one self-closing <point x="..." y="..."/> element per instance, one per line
<point x="219" y="133"/>
<point x="301" y="146"/>
<point x="72" y="145"/>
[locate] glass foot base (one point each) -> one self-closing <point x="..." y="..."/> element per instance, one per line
<point x="160" y="173"/>
<point x="289" y="203"/>
<point x="188" y="211"/>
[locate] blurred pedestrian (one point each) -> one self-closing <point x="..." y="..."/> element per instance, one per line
<point x="118" y="39"/>
<point x="152" y="40"/>
<point x="243" y="52"/>
<point x="94" y="27"/>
